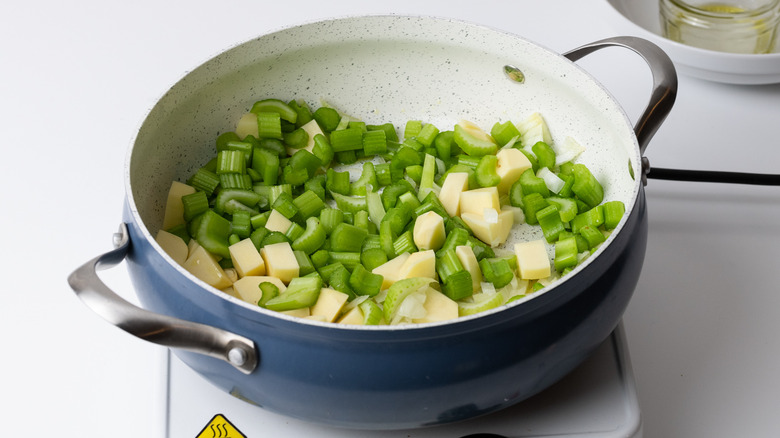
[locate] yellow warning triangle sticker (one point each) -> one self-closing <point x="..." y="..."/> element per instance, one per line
<point x="220" y="427"/>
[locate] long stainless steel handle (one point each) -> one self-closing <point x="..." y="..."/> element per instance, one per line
<point x="234" y="349"/>
<point x="664" y="90"/>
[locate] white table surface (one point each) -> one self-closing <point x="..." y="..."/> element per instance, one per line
<point x="78" y="77"/>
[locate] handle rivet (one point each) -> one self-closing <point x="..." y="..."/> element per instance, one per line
<point x="237" y="356"/>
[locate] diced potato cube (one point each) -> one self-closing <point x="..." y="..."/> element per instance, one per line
<point x="280" y="261"/>
<point x="247" y="125"/>
<point x="477" y="200"/>
<point x="429" y="231"/>
<point x="246" y="258"/>
<point x="533" y="262"/>
<point x="303" y="312"/>
<point x="354" y="317"/>
<point x="329" y="304"/>
<point x="438" y="307"/>
<point x="449" y="195"/>
<point x="173" y="245"/>
<point x="318" y="318"/>
<point x="174" y="209"/>
<point x="248" y="288"/>
<point x="204" y="265"/>
<point x="419" y="264"/>
<point x="494" y="233"/>
<point x="511" y="164"/>
<point x="469" y="261"/>
<point x="312" y="128"/>
<point x="277" y="222"/>
<point x="391" y="270"/>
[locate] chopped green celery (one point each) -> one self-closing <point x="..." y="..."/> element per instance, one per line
<point x="372" y="313"/>
<point x="305" y="265"/>
<point x="391" y="193"/>
<point x="383" y="174"/>
<point x="194" y="204"/>
<point x="455" y="223"/>
<point x="550" y="220"/>
<point x="274" y="192"/>
<point x="302" y="111"/>
<point x="480" y="248"/>
<point x="568" y="182"/>
<point x="367" y="178"/>
<point x="284" y="205"/>
<point x="414" y="173"/>
<point x="388" y="128"/>
<point x="266" y="163"/>
<point x="319" y="259"/>
<point x="347" y="238"/>
<point x="613" y="213"/>
<point x="373" y="257"/>
<point x="241" y="225"/>
<point x="427" y="177"/>
<point x="294" y="177"/>
<point x="350" y="204"/>
<point x="258" y="235"/>
<point x="473" y="141"/>
<point x="316" y="185"/>
<point x="448" y="264"/>
<point x="285" y="111"/>
<point x="443" y="144"/>
<point x="386" y="239"/>
<point x="330" y="218"/>
<point x="593" y="218"/>
<point x="269" y="125"/>
<point x="565" y="254"/>
<point x="301" y="292"/>
<point x="296" y="139"/>
<point x="406" y="157"/>
<point x="431" y="203"/>
<point x="360" y="220"/>
<point x="303" y="159"/>
<point x="567" y="208"/>
<point x="339" y="280"/>
<point x="404" y="243"/>
<point x="244" y="147"/>
<point x="226" y="263"/>
<point x="586" y="187"/>
<point x="458" y="286"/>
<point x="224" y="138"/>
<point x="213" y="232"/>
<point x="364" y="282"/>
<point x="312" y="239"/>
<point x="531" y="183"/>
<point x="531" y="205"/>
<point x="349" y="139"/>
<point x="294" y="231"/>
<point x="471" y="162"/>
<point x="204" y="180"/>
<point x="254" y="175"/>
<point x="545" y="155"/>
<point x="374" y="142"/>
<point x="308" y="205"/>
<point x="375" y="208"/>
<point x="229" y="161"/>
<point x="371" y="242"/>
<point x="273" y="145"/>
<point x="412" y="128"/>
<point x="455" y="238"/>
<point x="269" y="290"/>
<point x="274" y="237"/>
<point x="357" y="124"/>
<point x="337" y="182"/>
<point x="593" y="236"/>
<point x="496" y="271"/>
<point x="486" y="172"/>
<point x="408" y="201"/>
<point x="516" y="194"/>
<point x="235" y="181"/>
<point x="427" y="134"/>
<point x="327" y="118"/>
<point x="327" y="269"/>
<point x="249" y="198"/>
<point x="349" y="259"/>
<point x="323" y="150"/>
<point x="503" y="133"/>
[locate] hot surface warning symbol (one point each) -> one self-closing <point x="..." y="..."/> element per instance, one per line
<point x="220" y="427"/>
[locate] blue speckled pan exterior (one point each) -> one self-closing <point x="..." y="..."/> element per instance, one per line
<point x="392" y="68"/>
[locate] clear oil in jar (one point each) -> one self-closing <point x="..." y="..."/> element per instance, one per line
<point x="748" y="27"/>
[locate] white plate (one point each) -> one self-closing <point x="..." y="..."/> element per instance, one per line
<point x="641" y="18"/>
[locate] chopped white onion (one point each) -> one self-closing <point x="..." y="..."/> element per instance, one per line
<point x="567" y="150"/>
<point x="488" y="288"/>
<point x="490" y="215"/>
<point x="551" y="180"/>
<point x="413" y="306"/>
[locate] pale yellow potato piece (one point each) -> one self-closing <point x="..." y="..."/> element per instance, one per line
<point x="248" y="288"/>
<point x="511" y="164"/>
<point x="477" y="200"/>
<point x="247" y="125"/>
<point x="428" y="231"/>
<point x="469" y="261"/>
<point x="438" y="307"/>
<point x="246" y="258"/>
<point x="419" y="264"/>
<point x="277" y="222"/>
<point x="173" y="245"/>
<point x="449" y="195"/>
<point x="312" y="128"/>
<point x="329" y="304"/>
<point x="174" y="209"/>
<point x="204" y="265"/>
<point x="391" y="270"/>
<point x="280" y="262"/>
<point x="354" y="317"/>
<point x="533" y="262"/>
<point x="298" y="313"/>
<point x="492" y="233"/>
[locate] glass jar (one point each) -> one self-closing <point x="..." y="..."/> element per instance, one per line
<point x="740" y="26"/>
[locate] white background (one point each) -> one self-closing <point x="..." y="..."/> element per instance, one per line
<point x="77" y="78"/>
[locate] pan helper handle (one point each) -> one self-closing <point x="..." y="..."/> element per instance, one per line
<point x="167" y="331"/>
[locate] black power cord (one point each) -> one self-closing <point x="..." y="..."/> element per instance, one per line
<point x="762" y="179"/>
